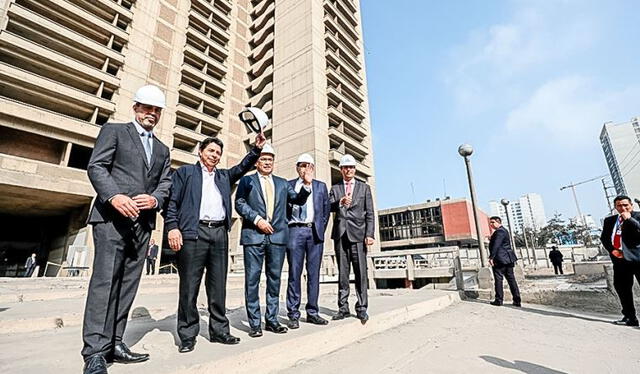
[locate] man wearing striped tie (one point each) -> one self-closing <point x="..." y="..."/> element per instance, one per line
<point x="621" y="238"/>
<point x="261" y="201"/>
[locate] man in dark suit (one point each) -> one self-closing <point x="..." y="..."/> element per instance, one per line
<point x="152" y="255"/>
<point x="30" y="265"/>
<point x="556" y="258"/>
<point x="502" y="259"/>
<point x="621" y="238"/>
<point x="261" y="201"/>
<point x="129" y="169"/>
<point x="198" y="220"/>
<point x="307" y="224"/>
<point x="353" y="231"/>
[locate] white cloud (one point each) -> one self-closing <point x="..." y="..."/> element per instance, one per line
<point x="570" y="111"/>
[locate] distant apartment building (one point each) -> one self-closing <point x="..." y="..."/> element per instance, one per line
<point x="621" y="146"/>
<point x="524" y="212"/>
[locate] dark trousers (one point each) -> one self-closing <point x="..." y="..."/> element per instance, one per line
<point x="506" y="271"/>
<point x="557" y="268"/>
<point x="120" y="250"/>
<point x="348" y="253"/>
<point x="272" y="255"/>
<point x="303" y="244"/>
<point x="29" y="271"/>
<point x="151" y="266"/>
<point x="211" y="252"/>
<point x="623" y="273"/>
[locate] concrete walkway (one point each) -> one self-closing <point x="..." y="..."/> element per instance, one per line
<point x="30" y="342"/>
<point x="474" y="337"/>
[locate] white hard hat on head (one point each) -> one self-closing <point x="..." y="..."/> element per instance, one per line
<point x="268" y="148"/>
<point x="150" y="95"/>
<point x="347" y="160"/>
<point x="305" y="157"/>
<point x="254" y="118"/>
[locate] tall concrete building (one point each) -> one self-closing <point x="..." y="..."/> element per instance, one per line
<point x="524" y="212"/>
<point x="621" y="147"/>
<point x="69" y="66"/>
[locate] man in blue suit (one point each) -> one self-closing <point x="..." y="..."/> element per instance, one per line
<point x="503" y="259"/>
<point x="261" y="201"/>
<point x="307" y="224"/>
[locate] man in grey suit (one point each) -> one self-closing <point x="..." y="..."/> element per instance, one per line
<point x="261" y="201"/>
<point x="353" y="231"/>
<point x="129" y="169"/>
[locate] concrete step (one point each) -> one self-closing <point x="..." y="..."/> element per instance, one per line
<point x="152" y="330"/>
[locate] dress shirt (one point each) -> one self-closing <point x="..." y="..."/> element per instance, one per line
<point x="269" y="179"/>
<point x="140" y="130"/>
<point x="295" y="216"/>
<point x="211" y="207"/>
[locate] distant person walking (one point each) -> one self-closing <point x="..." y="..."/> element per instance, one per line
<point x="503" y="259"/>
<point x="30" y="266"/>
<point x="621" y="238"/>
<point x="152" y="255"/>
<point x="556" y="258"/>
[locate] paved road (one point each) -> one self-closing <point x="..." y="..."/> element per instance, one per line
<point x="473" y="337"/>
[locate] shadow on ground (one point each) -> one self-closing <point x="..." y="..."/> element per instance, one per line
<point x="523" y="366"/>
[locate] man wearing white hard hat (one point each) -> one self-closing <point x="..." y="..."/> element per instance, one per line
<point x="353" y="232"/>
<point x="307" y="224"/>
<point x="129" y="169"/>
<point x="261" y="201"/>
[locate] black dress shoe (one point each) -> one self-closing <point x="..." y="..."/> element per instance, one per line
<point x="95" y="364"/>
<point x="276" y="328"/>
<point x="626" y="321"/>
<point x="316" y="320"/>
<point x="496" y="303"/>
<point x="518" y="304"/>
<point x="341" y="315"/>
<point x="363" y="317"/>
<point x="187" y="346"/>
<point x="225" y="339"/>
<point x="293" y="324"/>
<point x="123" y="355"/>
<point x="255" y="332"/>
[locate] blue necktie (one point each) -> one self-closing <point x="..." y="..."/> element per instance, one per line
<point x="146" y="143"/>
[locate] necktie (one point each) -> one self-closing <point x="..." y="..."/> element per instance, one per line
<point x="349" y="188"/>
<point x="146" y="143"/>
<point x="617" y="239"/>
<point x="269" y="197"/>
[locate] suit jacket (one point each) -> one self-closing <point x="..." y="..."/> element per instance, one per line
<point x="500" y="250"/>
<point x="250" y="203"/>
<point x="118" y="165"/>
<point x="153" y="251"/>
<point x="358" y="219"/>
<point x="183" y="211"/>
<point x="630" y="234"/>
<point x="321" y="208"/>
<point x="555" y="256"/>
<point x="29" y="263"/>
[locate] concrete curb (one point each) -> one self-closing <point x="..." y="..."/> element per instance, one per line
<point x="269" y="358"/>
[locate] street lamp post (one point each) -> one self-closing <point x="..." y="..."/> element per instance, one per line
<point x="465" y="151"/>
<point x="505" y="203"/>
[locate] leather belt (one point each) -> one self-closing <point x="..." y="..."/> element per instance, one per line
<point x="211" y="223"/>
<point x="300" y="224"/>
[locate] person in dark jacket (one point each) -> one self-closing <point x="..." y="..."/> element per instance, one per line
<point x="198" y="219"/>
<point x="556" y="258"/>
<point x="621" y="238"/>
<point x="502" y="259"/>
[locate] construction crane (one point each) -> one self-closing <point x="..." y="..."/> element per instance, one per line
<point x="575" y="197"/>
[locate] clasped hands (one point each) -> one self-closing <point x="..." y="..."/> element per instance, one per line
<point x="131" y="207"/>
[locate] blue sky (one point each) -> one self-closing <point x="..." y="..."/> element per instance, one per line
<point x="528" y="83"/>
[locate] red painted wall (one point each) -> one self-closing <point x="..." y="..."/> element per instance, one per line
<point x="457" y="219"/>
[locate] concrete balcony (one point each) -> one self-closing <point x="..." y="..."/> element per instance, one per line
<point x="258" y="84"/>
<point x="259" y="37"/>
<point x="188" y="134"/>
<point x="340" y="118"/>
<point x="259" y="67"/>
<point x="219" y="85"/>
<point x="351" y="143"/>
<point x="334" y="160"/>
<point x="260" y="22"/>
<point x="215" y="29"/>
<point x="350" y="40"/>
<point x="193" y="92"/>
<point x="353" y="110"/>
<point x="260" y="7"/>
<point x="345" y="69"/>
<point x="202" y="41"/>
<point x="180" y="157"/>
<point x="347" y="86"/>
<point x="260" y="99"/>
<point x="343" y="52"/>
<point x="197" y="116"/>
<point x="260" y="51"/>
<point x="211" y="62"/>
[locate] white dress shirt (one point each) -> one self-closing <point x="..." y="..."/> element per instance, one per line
<point x="297" y="208"/>
<point x="211" y="207"/>
<point x="142" y="132"/>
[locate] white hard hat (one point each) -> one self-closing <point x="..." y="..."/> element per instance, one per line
<point x="255" y="119"/>
<point x="268" y="148"/>
<point x="150" y="95"/>
<point x="305" y="157"/>
<point x="347" y="160"/>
